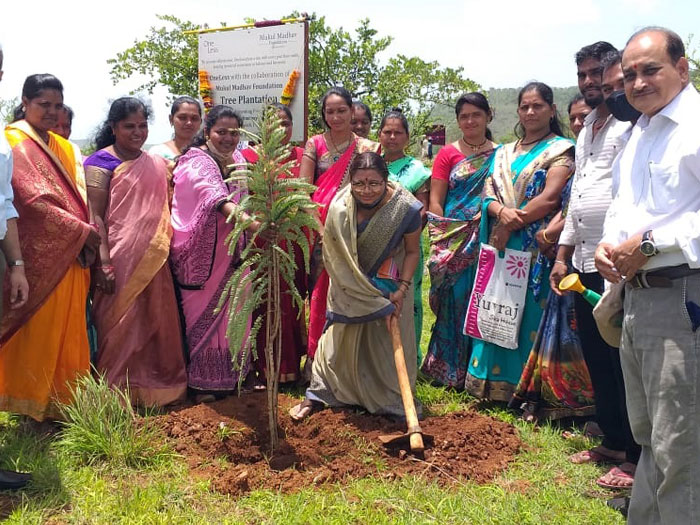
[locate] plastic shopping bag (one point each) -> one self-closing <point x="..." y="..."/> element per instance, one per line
<point x="498" y="297"/>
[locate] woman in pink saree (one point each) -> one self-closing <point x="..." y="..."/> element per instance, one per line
<point x="200" y="258"/>
<point x="138" y="329"/>
<point x="326" y="164"/>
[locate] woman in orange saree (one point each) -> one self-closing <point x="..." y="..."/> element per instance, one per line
<point x="44" y="344"/>
<point x="138" y="329"/>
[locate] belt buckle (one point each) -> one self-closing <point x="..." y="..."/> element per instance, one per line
<point x="640" y="280"/>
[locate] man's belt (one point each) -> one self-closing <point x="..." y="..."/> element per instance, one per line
<point x="661" y="278"/>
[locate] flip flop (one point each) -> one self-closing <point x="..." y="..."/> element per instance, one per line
<point x="616" y="473"/>
<point x="304" y="409"/>
<point x="592" y="456"/>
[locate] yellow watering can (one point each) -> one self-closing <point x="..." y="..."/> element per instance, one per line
<point x="572" y="283"/>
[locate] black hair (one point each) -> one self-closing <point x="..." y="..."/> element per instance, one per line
<point x="369" y="160"/>
<point x="217" y="112"/>
<point x="339" y="91"/>
<point x="595" y="51"/>
<point x="2" y="57"/>
<point x="118" y="111"/>
<point x="69" y="112"/>
<point x="610" y="59"/>
<point x="544" y="91"/>
<point x="674" y="44"/>
<point x="397" y="114"/>
<point x="578" y="97"/>
<point x="478" y="100"/>
<point x="179" y="101"/>
<point x="363" y="106"/>
<point x="33" y="86"/>
<point x="282" y="107"/>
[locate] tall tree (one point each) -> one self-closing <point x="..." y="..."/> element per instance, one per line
<point x="336" y="57"/>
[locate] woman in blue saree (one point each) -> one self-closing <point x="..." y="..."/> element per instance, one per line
<point x="459" y="172"/>
<point x="410" y="173"/>
<point x="522" y="195"/>
<point x="370" y="250"/>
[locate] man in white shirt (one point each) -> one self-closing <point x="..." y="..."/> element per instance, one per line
<point x="600" y="141"/>
<point x="12" y="256"/>
<point x="651" y="241"/>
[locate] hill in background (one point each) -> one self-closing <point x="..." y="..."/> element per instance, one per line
<point x="504" y="101"/>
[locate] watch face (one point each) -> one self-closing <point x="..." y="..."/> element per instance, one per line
<point x="647" y="248"/>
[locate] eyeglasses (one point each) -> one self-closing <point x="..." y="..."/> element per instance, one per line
<point x="372" y="185"/>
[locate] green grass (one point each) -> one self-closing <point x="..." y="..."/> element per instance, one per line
<point x="78" y="482"/>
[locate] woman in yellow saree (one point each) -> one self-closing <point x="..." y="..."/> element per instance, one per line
<point x="44" y="344"/>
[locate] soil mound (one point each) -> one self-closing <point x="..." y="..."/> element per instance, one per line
<point x="227" y="442"/>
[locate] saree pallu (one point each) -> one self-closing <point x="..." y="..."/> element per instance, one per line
<point x="555" y="382"/>
<point x="44" y="345"/>
<point x="354" y="364"/>
<point x="138" y="329"/>
<point x="414" y="177"/>
<point x="454" y="248"/>
<point x="328" y="184"/>
<point x="202" y="266"/>
<point x="494" y="371"/>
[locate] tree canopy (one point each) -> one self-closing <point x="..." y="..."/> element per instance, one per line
<point x="358" y="61"/>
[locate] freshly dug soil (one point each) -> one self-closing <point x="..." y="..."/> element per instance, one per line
<point x="227" y="442"/>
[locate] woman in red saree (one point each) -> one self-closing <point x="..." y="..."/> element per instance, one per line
<point x="293" y="324"/>
<point x="326" y="163"/>
<point x="44" y="344"/>
<point x="138" y="328"/>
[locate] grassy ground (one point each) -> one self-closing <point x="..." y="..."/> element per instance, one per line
<point x="72" y="485"/>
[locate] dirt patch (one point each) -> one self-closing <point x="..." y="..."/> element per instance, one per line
<point x="227" y="442"/>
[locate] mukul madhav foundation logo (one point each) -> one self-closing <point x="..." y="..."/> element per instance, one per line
<point x="517" y="265"/>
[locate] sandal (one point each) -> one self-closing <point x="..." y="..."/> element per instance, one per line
<point x="304" y="409"/>
<point x="593" y="456"/>
<point x="616" y="479"/>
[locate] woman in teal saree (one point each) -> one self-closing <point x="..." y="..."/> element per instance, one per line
<point x="459" y="172"/>
<point x="522" y="194"/>
<point x="410" y="173"/>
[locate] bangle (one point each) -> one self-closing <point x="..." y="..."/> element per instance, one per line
<point x="544" y="236"/>
<point x="561" y="262"/>
<point x="16" y="262"/>
<point x="404" y="281"/>
<point x="498" y="215"/>
<point x="108" y="267"/>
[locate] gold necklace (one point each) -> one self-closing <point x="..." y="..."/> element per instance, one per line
<point x="474" y="147"/>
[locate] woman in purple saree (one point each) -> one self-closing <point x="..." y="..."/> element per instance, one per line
<point x="200" y="258"/>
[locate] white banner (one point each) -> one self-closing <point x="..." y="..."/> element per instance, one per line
<point x="248" y="68"/>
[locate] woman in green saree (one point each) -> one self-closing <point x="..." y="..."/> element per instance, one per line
<point x="522" y="195"/>
<point x="410" y="173"/>
<point x="370" y="251"/>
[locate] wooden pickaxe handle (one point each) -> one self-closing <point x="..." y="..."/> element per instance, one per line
<point x="414" y="430"/>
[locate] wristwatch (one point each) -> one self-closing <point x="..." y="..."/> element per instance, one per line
<point x="16" y="262"/>
<point x="647" y="247"/>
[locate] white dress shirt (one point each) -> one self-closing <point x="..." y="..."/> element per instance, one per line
<point x="659" y="177"/>
<point x="7" y="209"/>
<point x="591" y="191"/>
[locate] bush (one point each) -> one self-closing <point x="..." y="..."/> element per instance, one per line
<point x="101" y="425"/>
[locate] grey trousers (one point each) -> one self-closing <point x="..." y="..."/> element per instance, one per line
<point x="661" y="367"/>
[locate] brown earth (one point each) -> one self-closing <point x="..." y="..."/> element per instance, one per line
<point x="227" y="442"/>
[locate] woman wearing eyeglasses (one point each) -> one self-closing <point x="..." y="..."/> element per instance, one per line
<point x="370" y="251"/>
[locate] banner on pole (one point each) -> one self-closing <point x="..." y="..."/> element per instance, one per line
<point x="249" y="68"/>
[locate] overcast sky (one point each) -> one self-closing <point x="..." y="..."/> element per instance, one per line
<point x="500" y="43"/>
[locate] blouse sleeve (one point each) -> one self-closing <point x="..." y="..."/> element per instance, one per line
<point x="310" y="150"/>
<point x="442" y="164"/>
<point x="566" y="159"/>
